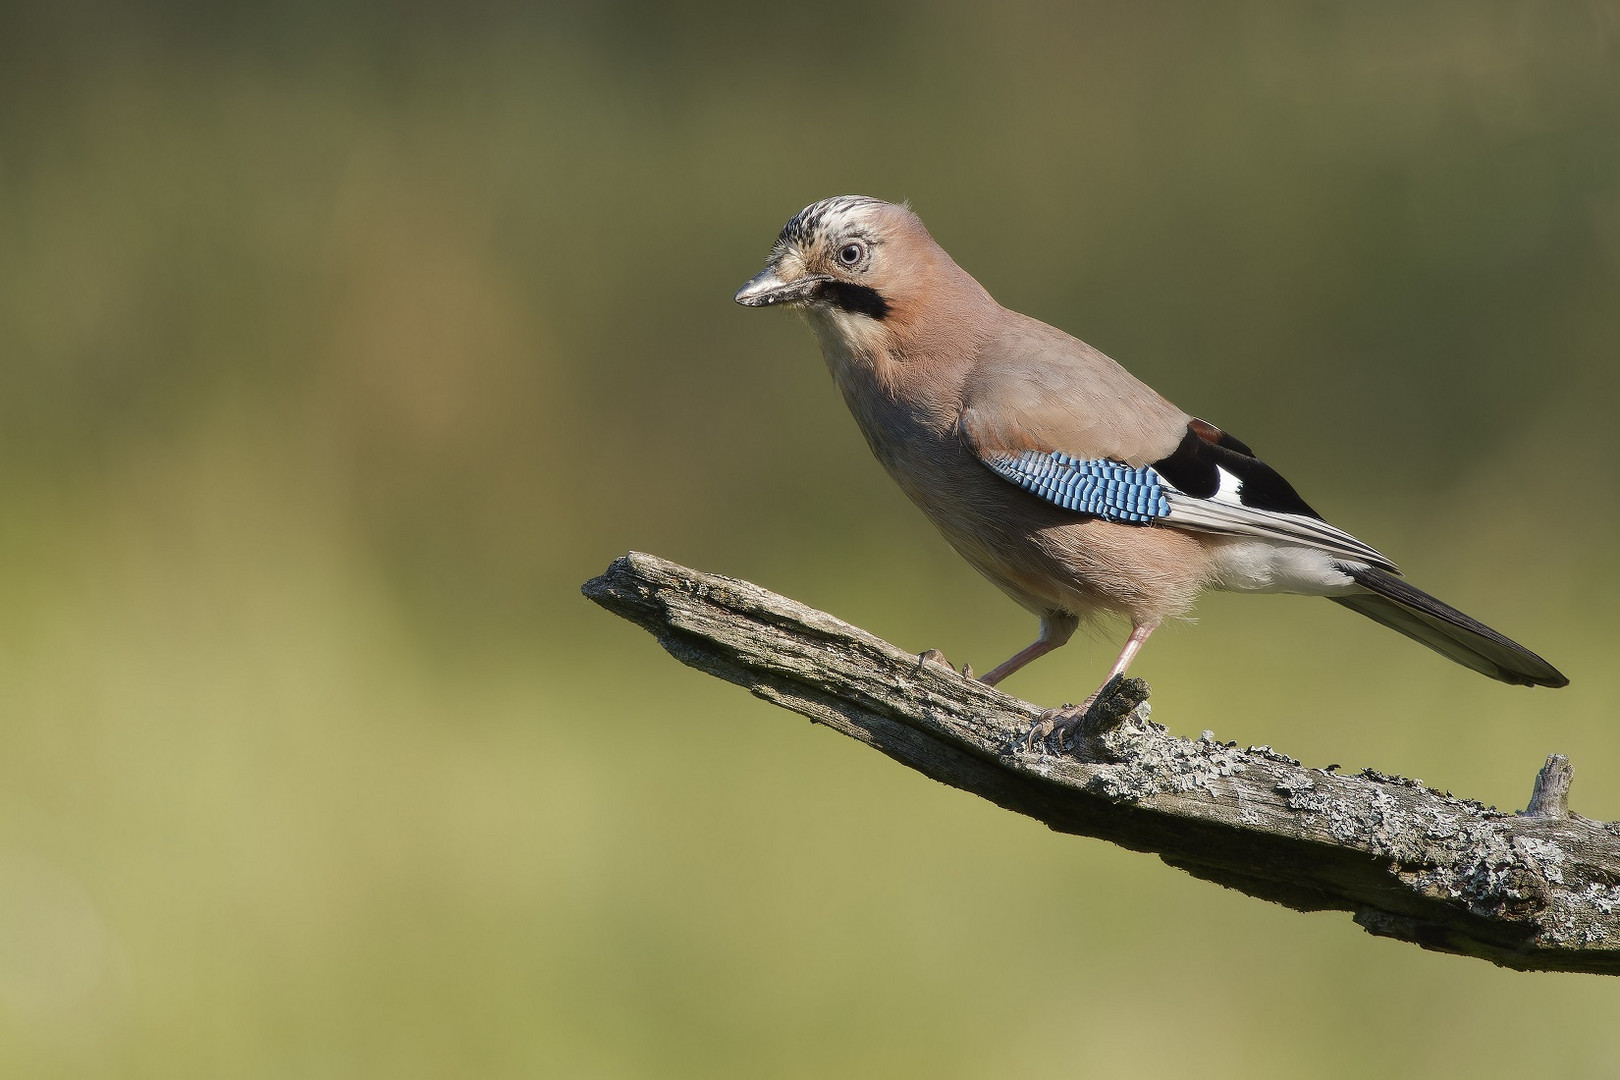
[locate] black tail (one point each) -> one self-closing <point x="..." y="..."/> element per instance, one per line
<point x="1444" y="629"/>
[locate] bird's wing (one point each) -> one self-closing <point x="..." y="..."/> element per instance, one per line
<point x="1033" y="387"/>
<point x="1080" y="432"/>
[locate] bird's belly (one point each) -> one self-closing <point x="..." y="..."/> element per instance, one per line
<point x="1052" y="560"/>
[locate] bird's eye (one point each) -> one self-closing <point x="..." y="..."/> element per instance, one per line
<point x="850" y="254"/>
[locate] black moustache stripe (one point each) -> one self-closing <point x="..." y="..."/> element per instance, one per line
<point x="861" y="299"/>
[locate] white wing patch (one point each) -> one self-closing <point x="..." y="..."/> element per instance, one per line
<point x="1225" y="513"/>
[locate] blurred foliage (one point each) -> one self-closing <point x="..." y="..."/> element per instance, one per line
<point x="342" y="341"/>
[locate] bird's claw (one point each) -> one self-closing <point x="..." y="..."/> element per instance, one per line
<point x="1059" y="722"/>
<point x="1099" y="714"/>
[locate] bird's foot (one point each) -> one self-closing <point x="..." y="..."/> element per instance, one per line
<point x="934" y="656"/>
<point x="1060" y="722"/>
<point x="1097" y="715"/>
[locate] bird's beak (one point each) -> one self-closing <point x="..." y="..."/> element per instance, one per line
<point x="768" y="288"/>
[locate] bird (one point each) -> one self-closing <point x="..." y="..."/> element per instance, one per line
<point x="1059" y="476"/>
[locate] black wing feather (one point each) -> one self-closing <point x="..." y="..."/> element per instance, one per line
<point x="1195" y="468"/>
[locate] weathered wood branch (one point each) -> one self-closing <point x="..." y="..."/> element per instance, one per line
<point x="1539" y="890"/>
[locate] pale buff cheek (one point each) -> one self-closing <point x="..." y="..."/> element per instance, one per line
<point x="846" y="337"/>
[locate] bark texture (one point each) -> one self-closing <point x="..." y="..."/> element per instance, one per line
<point x="1537" y="890"/>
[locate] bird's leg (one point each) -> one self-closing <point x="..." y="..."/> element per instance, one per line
<point x="1056" y="629"/>
<point x="1066" y="719"/>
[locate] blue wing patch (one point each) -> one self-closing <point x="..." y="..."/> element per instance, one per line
<point x="1102" y="488"/>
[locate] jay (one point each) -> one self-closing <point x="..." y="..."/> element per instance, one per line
<point x="1063" y="479"/>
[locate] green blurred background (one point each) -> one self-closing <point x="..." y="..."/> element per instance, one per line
<point x="340" y="342"/>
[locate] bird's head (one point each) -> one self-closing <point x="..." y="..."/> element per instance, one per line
<point x="841" y="252"/>
<point x="867" y="274"/>
<point x="850" y="253"/>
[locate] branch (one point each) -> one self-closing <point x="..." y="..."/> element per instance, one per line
<point x="1534" y="891"/>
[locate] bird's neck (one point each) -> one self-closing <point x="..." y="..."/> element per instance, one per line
<point x="927" y="337"/>
<point x="903" y="389"/>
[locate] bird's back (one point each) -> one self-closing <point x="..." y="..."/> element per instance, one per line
<point x="1032" y="386"/>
